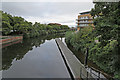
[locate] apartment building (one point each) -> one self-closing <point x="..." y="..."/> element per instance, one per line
<point x="84" y="20"/>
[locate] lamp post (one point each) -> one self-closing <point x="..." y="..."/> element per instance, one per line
<point x="86" y="56"/>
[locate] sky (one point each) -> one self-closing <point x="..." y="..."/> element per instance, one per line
<point x="48" y="11"/>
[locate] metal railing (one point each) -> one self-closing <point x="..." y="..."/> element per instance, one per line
<point x="84" y="19"/>
<point x="85" y="22"/>
<point x="86" y="75"/>
<point x="95" y="73"/>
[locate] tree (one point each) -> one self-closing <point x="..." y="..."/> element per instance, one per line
<point x="13" y="25"/>
<point x="6" y="29"/>
<point x="107" y="27"/>
<point x="107" y="23"/>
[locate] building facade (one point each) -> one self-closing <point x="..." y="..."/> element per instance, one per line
<point x="84" y="20"/>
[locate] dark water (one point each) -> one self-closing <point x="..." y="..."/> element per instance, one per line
<point x="34" y="58"/>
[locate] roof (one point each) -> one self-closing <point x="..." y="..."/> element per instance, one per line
<point x="54" y="24"/>
<point x="87" y="12"/>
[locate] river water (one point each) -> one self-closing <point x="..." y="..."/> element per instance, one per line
<point x="34" y="58"/>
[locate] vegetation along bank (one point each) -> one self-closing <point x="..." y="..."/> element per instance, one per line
<point x="103" y="41"/>
<point x="14" y="25"/>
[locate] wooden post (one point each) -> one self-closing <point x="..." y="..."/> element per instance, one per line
<point x="86" y="57"/>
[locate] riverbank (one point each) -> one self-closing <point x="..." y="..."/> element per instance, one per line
<point x="104" y="56"/>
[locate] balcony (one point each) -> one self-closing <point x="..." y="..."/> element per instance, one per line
<point x="85" y="22"/>
<point x="82" y="25"/>
<point x="84" y="19"/>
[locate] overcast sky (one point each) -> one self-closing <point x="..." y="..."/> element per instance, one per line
<point x="47" y="12"/>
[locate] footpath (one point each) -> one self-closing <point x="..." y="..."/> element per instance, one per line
<point x="77" y="69"/>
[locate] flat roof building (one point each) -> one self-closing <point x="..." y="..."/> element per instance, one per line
<point x="54" y="24"/>
<point x="84" y="20"/>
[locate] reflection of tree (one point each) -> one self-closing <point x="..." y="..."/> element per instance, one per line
<point x="17" y="51"/>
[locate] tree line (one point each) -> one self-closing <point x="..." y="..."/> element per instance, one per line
<point x="103" y="41"/>
<point x="14" y="25"/>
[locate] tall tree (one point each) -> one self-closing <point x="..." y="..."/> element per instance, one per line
<point x="107" y="27"/>
<point x="107" y="23"/>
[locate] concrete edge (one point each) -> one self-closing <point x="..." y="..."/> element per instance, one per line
<point x="73" y="56"/>
<point x="65" y="59"/>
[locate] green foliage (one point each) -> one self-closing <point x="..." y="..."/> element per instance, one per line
<point x="6" y="27"/>
<point x="79" y="40"/>
<point x="107" y="28"/>
<point x="18" y="25"/>
<point x="107" y="21"/>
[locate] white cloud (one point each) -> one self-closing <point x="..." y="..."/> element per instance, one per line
<point x="65" y="20"/>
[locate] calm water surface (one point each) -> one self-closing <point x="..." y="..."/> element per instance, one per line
<point x="34" y="58"/>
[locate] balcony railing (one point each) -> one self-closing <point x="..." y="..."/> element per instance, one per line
<point x="84" y="19"/>
<point x="82" y="25"/>
<point x="85" y="22"/>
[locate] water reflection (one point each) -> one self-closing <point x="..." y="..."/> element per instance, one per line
<point x="17" y="51"/>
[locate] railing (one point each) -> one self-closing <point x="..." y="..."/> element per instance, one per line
<point x="84" y="19"/>
<point x="85" y="22"/>
<point x="95" y="73"/>
<point x="99" y="73"/>
<point x="82" y="26"/>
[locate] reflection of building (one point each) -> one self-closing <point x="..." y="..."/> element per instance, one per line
<point x="84" y="20"/>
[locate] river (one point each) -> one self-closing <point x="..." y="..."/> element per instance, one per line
<point x="37" y="58"/>
<point x="34" y="58"/>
